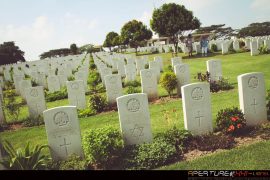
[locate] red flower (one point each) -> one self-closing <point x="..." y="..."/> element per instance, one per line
<point x="231" y="128"/>
<point x="234" y="118"/>
<point x="239" y="126"/>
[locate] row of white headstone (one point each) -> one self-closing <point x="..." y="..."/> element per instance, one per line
<point x="63" y="131"/>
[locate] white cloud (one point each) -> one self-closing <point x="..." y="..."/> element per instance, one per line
<point x="44" y="34"/>
<point x="145" y="18"/>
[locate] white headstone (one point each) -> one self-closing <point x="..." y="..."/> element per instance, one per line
<point x="160" y="61"/>
<point x="139" y="65"/>
<point x="253" y="48"/>
<point x="215" y="69"/>
<point x="24" y="84"/>
<point x="17" y="80"/>
<point x="176" y="60"/>
<point x="182" y="73"/>
<point x="149" y="83"/>
<point x="251" y="87"/>
<point x="121" y="67"/>
<point x="63" y="132"/>
<point x="113" y="86"/>
<point x="53" y="83"/>
<point x="197" y="108"/>
<point x="35" y="101"/>
<point x="134" y="118"/>
<point x="2" y="84"/>
<point x="154" y="65"/>
<point x="76" y="94"/>
<point x="130" y="70"/>
<point x="2" y="115"/>
<point x="224" y="47"/>
<point x="236" y="45"/>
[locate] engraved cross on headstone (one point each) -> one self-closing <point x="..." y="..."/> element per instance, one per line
<point x="65" y="145"/>
<point x="254" y="104"/>
<point x="199" y="118"/>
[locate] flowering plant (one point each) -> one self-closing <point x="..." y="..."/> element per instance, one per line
<point x="230" y="120"/>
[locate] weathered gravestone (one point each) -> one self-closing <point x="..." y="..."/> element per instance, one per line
<point x="225" y="47"/>
<point x="130" y="70"/>
<point x="63" y="132"/>
<point x="76" y="94"/>
<point x="140" y="65"/>
<point x="154" y="65"/>
<point x="149" y="83"/>
<point x="160" y="62"/>
<point x="134" y="118"/>
<point x="182" y="73"/>
<point x="251" y="88"/>
<point x="35" y="101"/>
<point x="197" y="108"/>
<point x="215" y="69"/>
<point x="24" y="84"/>
<point x="53" y="83"/>
<point x="17" y="80"/>
<point x="176" y="60"/>
<point x="121" y="67"/>
<point x="113" y="86"/>
<point x="254" y="48"/>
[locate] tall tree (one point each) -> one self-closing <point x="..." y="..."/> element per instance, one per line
<point x="55" y="53"/>
<point x="9" y="53"/>
<point x="172" y="20"/>
<point x="110" y="40"/>
<point x="74" y="49"/>
<point x="135" y="33"/>
<point x="255" y="29"/>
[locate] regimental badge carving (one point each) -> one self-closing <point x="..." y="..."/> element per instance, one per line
<point x="148" y="74"/>
<point x="34" y="92"/>
<point x="61" y="118"/>
<point x="253" y="82"/>
<point x="197" y="93"/>
<point x="75" y="85"/>
<point x="133" y="105"/>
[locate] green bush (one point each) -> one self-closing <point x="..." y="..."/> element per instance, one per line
<point x="146" y="66"/>
<point x="26" y="159"/>
<point x="149" y="155"/>
<point x="71" y="78"/>
<point x="214" y="48"/>
<point x="97" y="103"/>
<point x="168" y="68"/>
<point x="134" y="83"/>
<point x="132" y="90"/>
<point x="30" y="122"/>
<point x="230" y="120"/>
<point x="86" y="113"/>
<point x="168" y="81"/>
<point x="221" y="85"/>
<point x="103" y="147"/>
<point x="93" y="80"/>
<point x="176" y="137"/>
<point x="57" y="95"/>
<point x="13" y="108"/>
<point x="263" y="49"/>
<point x="92" y="66"/>
<point x="8" y="85"/>
<point x="73" y="162"/>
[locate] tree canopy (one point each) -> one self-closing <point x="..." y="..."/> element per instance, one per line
<point x="219" y="31"/>
<point x="172" y="19"/>
<point x="55" y="53"/>
<point x="135" y="33"/>
<point x="255" y="29"/>
<point x="74" y="49"/>
<point x="9" y="53"/>
<point x="111" y="40"/>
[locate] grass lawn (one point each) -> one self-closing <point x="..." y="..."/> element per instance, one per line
<point x="232" y="66"/>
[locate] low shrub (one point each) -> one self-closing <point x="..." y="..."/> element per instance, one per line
<point x="230" y="120"/>
<point x="168" y="81"/>
<point x="149" y="155"/>
<point x="11" y="105"/>
<point x="71" y="78"/>
<point x="97" y="103"/>
<point x="203" y="77"/>
<point x="268" y="102"/>
<point x="132" y="90"/>
<point x="57" y="95"/>
<point x="230" y="49"/>
<point x="82" y="113"/>
<point x="134" y="83"/>
<point x="34" y="83"/>
<point x="263" y="49"/>
<point x="214" y="48"/>
<point x="221" y="85"/>
<point x="30" y="122"/>
<point x="73" y="162"/>
<point x="24" y="159"/>
<point x="168" y="68"/>
<point x="103" y="147"/>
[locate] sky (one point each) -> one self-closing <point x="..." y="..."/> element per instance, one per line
<point x="37" y="26"/>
